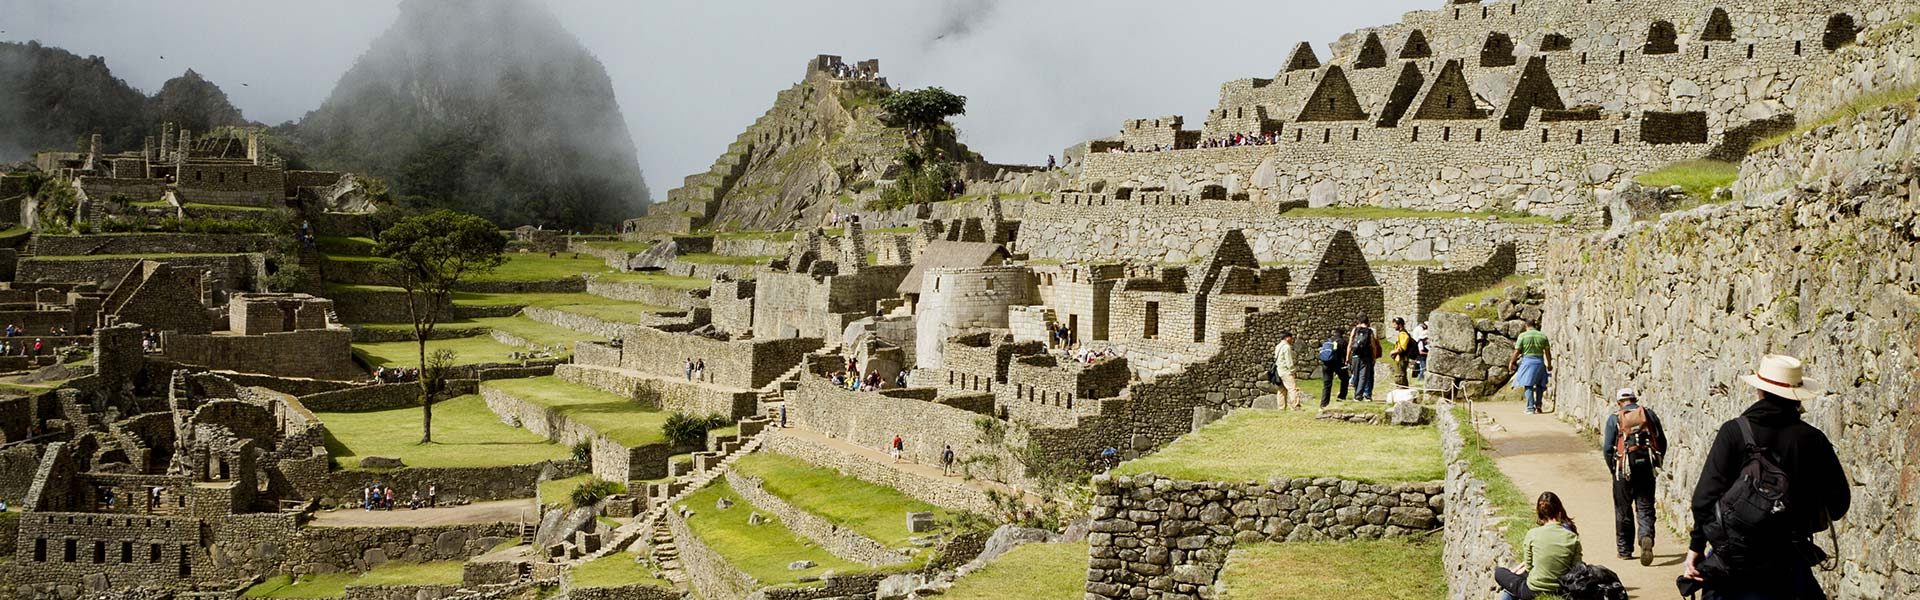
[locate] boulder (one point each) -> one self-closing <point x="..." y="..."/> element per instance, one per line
<point x="919" y="522"/>
<point x="1452" y="331"/>
<point x="899" y="587"/>
<point x="801" y="565"/>
<point x="1406" y="411"/>
<point x="381" y="462"/>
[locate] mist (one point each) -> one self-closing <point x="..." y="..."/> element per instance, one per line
<point x="690" y="75"/>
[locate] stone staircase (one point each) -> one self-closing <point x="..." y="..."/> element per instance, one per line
<point x="666" y="555"/>
<point x="654" y="518"/>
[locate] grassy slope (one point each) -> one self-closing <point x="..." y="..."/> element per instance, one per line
<point x="333" y="585"/>
<point x="1256" y="445"/>
<point x="1482" y="309"/>
<point x="875" y="511"/>
<point x="615" y="570"/>
<point x="1383" y="569"/>
<point x="1508" y="501"/>
<point x="1030" y="572"/>
<point x="466" y="434"/>
<point x="469" y="351"/>
<point x="762" y="551"/>
<point x="1698" y="177"/>
<point x="559" y="492"/>
<point x="622" y="419"/>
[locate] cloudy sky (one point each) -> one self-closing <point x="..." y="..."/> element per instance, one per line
<point x="1039" y="75"/>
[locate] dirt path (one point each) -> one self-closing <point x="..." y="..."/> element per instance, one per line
<point x="503" y="511"/>
<point x="1541" y="453"/>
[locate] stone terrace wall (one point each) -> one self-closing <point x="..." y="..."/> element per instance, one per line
<point x="234" y="271"/>
<point x="708" y="571"/>
<point x="944" y="493"/>
<point x="665" y="392"/>
<point x="1823" y="271"/>
<point x="313" y="353"/>
<point x="356" y="549"/>
<point x="737" y="364"/>
<point x="1475" y="542"/>
<point x="844" y="543"/>
<point x="1086" y="236"/>
<point x="871" y="419"/>
<point x="625" y="592"/>
<point x="152" y="243"/>
<point x="1164" y="536"/>
<point x="612" y="460"/>
<point x="398" y="592"/>
<point x="366" y="398"/>
<point x="310" y="479"/>
<point x="669" y="297"/>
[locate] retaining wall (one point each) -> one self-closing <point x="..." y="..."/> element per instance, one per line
<point x="844" y="543"/>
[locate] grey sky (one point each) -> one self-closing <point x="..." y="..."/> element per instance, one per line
<point x="691" y="74"/>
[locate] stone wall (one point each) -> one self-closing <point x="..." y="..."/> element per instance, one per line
<point x="844" y="543"/>
<point x="1474" y="534"/>
<point x="591" y="325"/>
<point x="310" y="479"/>
<point x="312" y="353"/>
<point x="97" y="552"/>
<point x="747" y="364"/>
<point x="152" y="243"/>
<point x="1474" y="353"/>
<point x="657" y="295"/>
<point x="625" y="592"/>
<point x="398" y="592"/>
<point x="364" y="398"/>
<point x="1157" y="536"/>
<point x="232" y="272"/>
<point x="950" y="494"/>
<point x="711" y="576"/>
<point x="356" y="549"/>
<point x="665" y="393"/>
<point x="612" y="460"/>
<point x="17" y="464"/>
<point x="1821" y="270"/>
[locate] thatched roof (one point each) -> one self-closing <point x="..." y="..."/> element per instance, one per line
<point x="944" y="255"/>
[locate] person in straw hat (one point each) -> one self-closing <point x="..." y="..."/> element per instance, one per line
<point x="1761" y="527"/>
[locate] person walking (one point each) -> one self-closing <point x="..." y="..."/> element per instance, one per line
<point x="1762" y="535"/>
<point x="783" y="415"/>
<point x="1532" y="361"/>
<point x="1333" y="365"/>
<point x="898" y="447"/>
<point x="1550" y="550"/>
<point x="1289" y="393"/>
<point x="1420" y="335"/>
<point x="946" y="459"/>
<point x="1363" y="348"/>
<point x="433" y="495"/>
<point x="1634" y="444"/>
<point x="1403" y="352"/>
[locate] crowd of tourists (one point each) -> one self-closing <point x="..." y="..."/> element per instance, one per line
<point x="395" y="375"/>
<point x="1348" y="357"/>
<point x="382" y="497"/>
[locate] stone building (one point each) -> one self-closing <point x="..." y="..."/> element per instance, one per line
<point x="225" y="168"/>
<point x="289" y="335"/>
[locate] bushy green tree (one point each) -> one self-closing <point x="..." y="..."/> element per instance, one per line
<point x="430" y="254"/>
<point x="923" y="110"/>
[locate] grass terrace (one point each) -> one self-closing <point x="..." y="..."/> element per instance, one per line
<point x="621" y="419"/>
<point x="1258" y="445"/>
<point x="472" y="350"/>
<point x="531" y="266"/>
<point x="875" y="511"/>
<point x="346" y="246"/>
<point x="1482" y="307"/>
<point x="558" y="492"/>
<point x="1029" y="572"/>
<point x="657" y="279"/>
<point x="333" y="585"/>
<point x="1507" y="499"/>
<point x="762" y="551"/>
<point x="619" y="246"/>
<point x="1382" y="212"/>
<point x="577" y="303"/>
<point x="1874" y="101"/>
<point x="1397" y="569"/>
<point x="1698" y="177"/>
<point x="615" y="570"/>
<point x="466" y="434"/>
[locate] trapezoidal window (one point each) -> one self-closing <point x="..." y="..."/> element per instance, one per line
<point x="1719" y="27"/>
<point x="1554" y="42"/>
<point x="1498" y="51"/>
<point x="1661" y="39"/>
<point x="1841" y="32"/>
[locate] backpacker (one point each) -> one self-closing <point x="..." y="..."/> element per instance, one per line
<point x="1638" y="445"/>
<point x="1751" y="519"/>
<point x="1326" y="351"/>
<point x="1364" y="342"/>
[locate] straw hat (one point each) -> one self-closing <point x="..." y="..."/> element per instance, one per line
<point x="1782" y="376"/>
<point x="1626" y="393"/>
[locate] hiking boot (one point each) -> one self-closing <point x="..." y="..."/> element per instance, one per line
<point x="1626" y="555"/>
<point x="1646" y="551"/>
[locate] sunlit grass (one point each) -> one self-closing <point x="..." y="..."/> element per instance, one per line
<point x="465" y="433"/>
<point x="1258" y="445"/>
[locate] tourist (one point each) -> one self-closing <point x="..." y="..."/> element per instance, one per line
<point x="1532" y="361"/>
<point x="1766" y="553"/>
<point x="1289" y="394"/>
<point x="700" y="369"/>
<point x="946" y="459"/>
<point x="1420" y="335"/>
<point x="899" y="447"/>
<point x="1634" y="444"/>
<point x="1363" y="348"/>
<point x="689" y="369"/>
<point x="873" y="381"/>
<point x="1403" y="352"/>
<point x="416" y="502"/>
<point x="387" y="495"/>
<point x="366" y="498"/>
<point x="1050" y="164"/>
<point x="1549" y="551"/>
<point x="433" y="495"/>
<point x="1333" y="365"/>
<point x="783" y="415"/>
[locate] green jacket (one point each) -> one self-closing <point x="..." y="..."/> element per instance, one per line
<point x="1550" y="550"/>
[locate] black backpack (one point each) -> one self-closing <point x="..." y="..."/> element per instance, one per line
<point x="1363" y="342"/>
<point x="1751" y="520"/>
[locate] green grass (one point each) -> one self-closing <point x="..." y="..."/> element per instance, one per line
<point x="1698" y="177"/>
<point x="776" y="236"/>
<point x="875" y="511"/>
<point x="333" y="585"/>
<point x="532" y="266"/>
<point x="619" y="246"/>
<point x="539" y="333"/>
<point x="621" y="419"/>
<point x="1873" y="101"/>
<point x="762" y="551"/>
<point x="559" y="492"/>
<point x="1257" y="445"/>
<point x="1029" y="572"/>
<point x="722" y="259"/>
<point x="1482" y="308"/>
<point x="324" y="585"/>
<point x="1382" y="212"/>
<point x="1507" y="499"/>
<point x="474" y="350"/>
<point x="1397" y="569"/>
<point x="615" y="570"/>
<point x="658" y="279"/>
<point x="578" y="303"/>
<point x="465" y="433"/>
<point x="346" y="246"/>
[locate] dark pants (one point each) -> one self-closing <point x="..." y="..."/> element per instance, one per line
<point x="1362" y="378"/>
<point x="1332" y="371"/>
<point x="1632" y="508"/>
<point x="1794" y="583"/>
<point x="1513" y="585"/>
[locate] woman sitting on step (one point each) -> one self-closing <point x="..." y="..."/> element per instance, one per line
<point x="1550" y="550"/>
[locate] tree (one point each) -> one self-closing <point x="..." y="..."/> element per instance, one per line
<point x="922" y="110"/>
<point x="430" y="254"/>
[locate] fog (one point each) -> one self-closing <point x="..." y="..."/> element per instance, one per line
<point x="690" y="75"/>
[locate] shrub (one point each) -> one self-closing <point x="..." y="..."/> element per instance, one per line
<point x="290" y="277"/>
<point x="583" y="452"/>
<point x="688" y="431"/>
<point x="592" y="492"/>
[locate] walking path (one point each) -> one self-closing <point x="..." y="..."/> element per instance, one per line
<point x="502" y="511"/>
<point x="1541" y="453"/>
